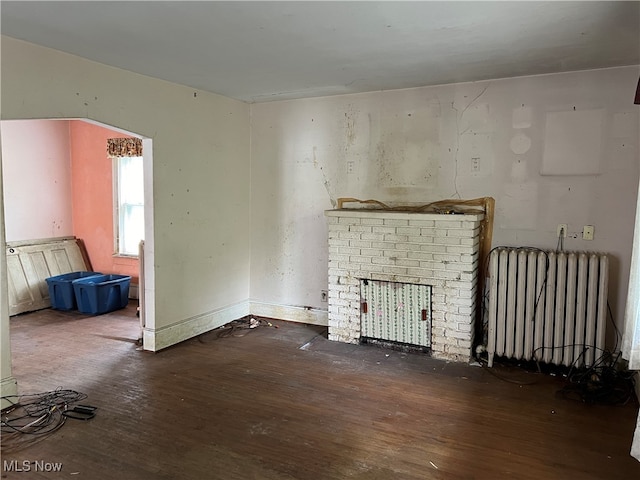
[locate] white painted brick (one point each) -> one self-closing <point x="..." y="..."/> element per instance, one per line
<point x="454" y="266"/>
<point x="347" y="266"/>
<point x="437" y="297"/>
<point x="467" y="293"/>
<point x="339" y="288"/>
<point x="433" y="248"/>
<point x="349" y="220"/>
<point x="368" y="267"/>
<point x="383" y="261"/>
<point x="372" y="236"/>
<point x="409" y="247"/>
<point x="460" y="233"/>
<point x="460" y="249"/>
<point x="453" y="317"/>
<point x="459" y="351"/>
<point x="338" y="258"/>
<point x="338" y="271"/>
<point x="339" y="302"/>
<point x="359" y="259"/>
<point x="438" y="332"/>
<point x="384" y="230"/>
<point x="360" y="228"/>
<point x="447" y="275"/>
<point x="348" y="311"/>
<point x="334" y="242"/>
<point x="463" y="327"/>
<point x="391" y="237"/>
<point x="395" y="270"/>
<point x="349" y="280"/>
<point x="420" y="272"/>
<point x="421" y="255"/>
<point x="470" y="225"/>
<point x="372" y="221"/>
<point x="462" y="302"/>
<point x="371" y="252"/>
<point x="419" y="239"/>
<point x="440" y="240"/>
<point x="349" y="236"/>
<point x="350" y="296"/>
<point x="448" y="224"/>
<point x="393" y="253"/>
<point x="349" y="250"/>
<point x="403" y="262"/>
<point x="359" y="243"/>
<point x="408" y="231"/>
<point x="383" y="277"/>
<point x="446" y="257"/>
<point x="395" y="222"/>
<point x="446" y="308"/>
<point x="421" y="223"/>
<point x="469" y="241"/>
<point x="333" y="229"/>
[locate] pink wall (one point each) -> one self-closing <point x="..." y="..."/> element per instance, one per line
<point x="37" y="179"/>
<point x="92" y="185"/>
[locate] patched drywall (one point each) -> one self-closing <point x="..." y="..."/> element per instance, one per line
<point x="456" y="141"/>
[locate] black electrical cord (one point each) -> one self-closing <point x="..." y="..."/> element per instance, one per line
<point x="36" y="414"/>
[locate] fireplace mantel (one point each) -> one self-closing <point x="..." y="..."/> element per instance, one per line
<point x="408" y="247"/>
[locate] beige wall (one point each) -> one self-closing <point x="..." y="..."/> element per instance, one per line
<point x="467" y="140"/>
<point x="200" y="247"/>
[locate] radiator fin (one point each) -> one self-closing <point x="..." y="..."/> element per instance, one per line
<point x="547" y="306"/>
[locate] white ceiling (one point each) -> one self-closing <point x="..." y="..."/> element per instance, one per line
<point x="260" y="51"/>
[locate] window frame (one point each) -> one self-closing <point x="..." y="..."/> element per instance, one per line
<point x="117" y="210"/>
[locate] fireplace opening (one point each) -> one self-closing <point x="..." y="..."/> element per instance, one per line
<point x="395" y="312"/>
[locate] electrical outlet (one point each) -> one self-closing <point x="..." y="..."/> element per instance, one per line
<point x="475" y="164"/>
<point x="562" y="230"/>
<point x="324" y="295"/>
<point x="587" y="232"/>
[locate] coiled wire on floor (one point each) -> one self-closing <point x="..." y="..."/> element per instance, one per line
<point x="36" y="414"/>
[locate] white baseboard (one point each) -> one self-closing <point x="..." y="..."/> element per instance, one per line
<point x="157" y="339"/>
<point x="312" y="316"/>
<point x="8" y="386"/>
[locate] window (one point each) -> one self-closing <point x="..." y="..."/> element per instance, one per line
<point x="129" y="205"/>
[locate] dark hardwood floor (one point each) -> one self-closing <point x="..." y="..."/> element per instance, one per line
<point x="258" y="406"/>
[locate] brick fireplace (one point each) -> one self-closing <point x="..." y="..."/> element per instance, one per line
<point x="437" y="250"/>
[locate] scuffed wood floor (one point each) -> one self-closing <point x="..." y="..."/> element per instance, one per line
<point x="259" y="406"/>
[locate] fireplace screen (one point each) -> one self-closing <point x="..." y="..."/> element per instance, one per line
<point x="397" y="312"/>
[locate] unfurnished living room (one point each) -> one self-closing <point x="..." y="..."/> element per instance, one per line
<point x="320" y="240"/>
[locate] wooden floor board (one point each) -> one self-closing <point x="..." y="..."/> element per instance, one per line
<point x="285" y="403"/>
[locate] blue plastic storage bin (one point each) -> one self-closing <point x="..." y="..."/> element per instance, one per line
<point x="61" y="289"/>
<point x="102" y="293"/>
